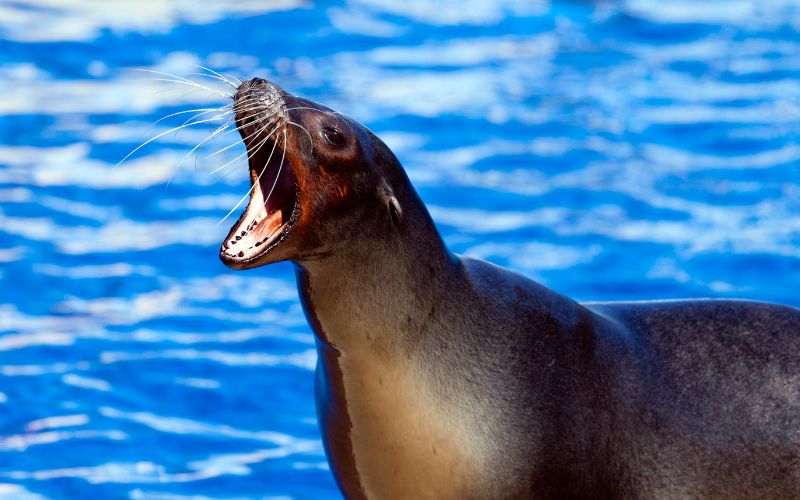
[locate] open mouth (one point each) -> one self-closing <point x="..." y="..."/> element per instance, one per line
<point x="272" y="209"/>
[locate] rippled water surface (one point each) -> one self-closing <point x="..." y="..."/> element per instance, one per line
<point x="611" y="150"/>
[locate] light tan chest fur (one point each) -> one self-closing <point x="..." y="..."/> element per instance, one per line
<point x="405" y="445"/>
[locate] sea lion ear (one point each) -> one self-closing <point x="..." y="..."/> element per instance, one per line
<point x="395" y="210"/>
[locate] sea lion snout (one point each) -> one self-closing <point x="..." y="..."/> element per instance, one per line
<point x="258" y="102"/>
<point x="260" y="84"/>
<point x="260" y="94"/>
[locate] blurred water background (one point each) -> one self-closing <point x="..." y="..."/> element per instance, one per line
<point x="611" y="150"/>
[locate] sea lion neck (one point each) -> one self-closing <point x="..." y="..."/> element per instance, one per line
<point x="370" y="296"/>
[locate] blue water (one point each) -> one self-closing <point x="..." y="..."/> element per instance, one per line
<point x="611" y="150"/>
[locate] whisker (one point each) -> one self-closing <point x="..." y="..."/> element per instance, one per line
<point x="219" y="75"/>
<point x="179" y="79"/>
<point x="206" y="75"/>
<point x="242" y="126"/>
<point x="200" y="112"/>
<point x="162" y="134"/>
<point x="233" y="77"/>
<point x="245" y="107"/>
<point x="195" y="84"/>
<point x="266" y="103"/>
<point x="280" y="167"/>
<point x="258" y="179"/>
<point x="253" y="103"/>
<point x="311" y="139"/>
<point x="250" y="156"/>
<point x="249" y="105"/>
<point x="169" y="75"/>
<point x="205" y="110"/>
<point x="215" y="153"/>
<point x="254" y="119"/>
<point x="204" y="141"/>
<point x="236" y="129"/>
<point x="215" y="117"/>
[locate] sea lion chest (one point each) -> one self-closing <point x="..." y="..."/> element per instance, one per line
<point x="385" y="432"/>
<point x="400" y="443"/>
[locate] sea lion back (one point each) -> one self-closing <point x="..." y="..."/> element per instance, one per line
<point x="722" y="400"/>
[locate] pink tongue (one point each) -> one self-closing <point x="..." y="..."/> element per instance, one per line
<point x="259" y="230"/>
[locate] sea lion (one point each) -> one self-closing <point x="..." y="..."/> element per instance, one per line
<point x="442" y="376"/>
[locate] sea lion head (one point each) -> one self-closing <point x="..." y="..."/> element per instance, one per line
<point x="320" y="181"/>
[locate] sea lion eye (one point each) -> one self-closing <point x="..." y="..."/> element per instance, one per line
<point x="333" y="136"/>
